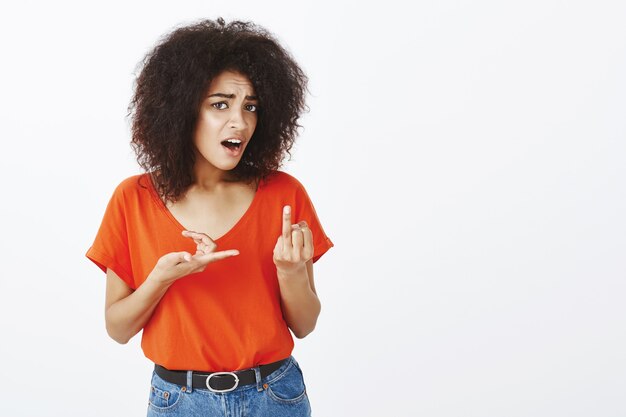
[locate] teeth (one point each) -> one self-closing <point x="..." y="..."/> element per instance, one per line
<point x="233" y="141"/>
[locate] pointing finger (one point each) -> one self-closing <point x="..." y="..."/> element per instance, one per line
<point x="217" y="256"/>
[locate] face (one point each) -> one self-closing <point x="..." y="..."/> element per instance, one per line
<point x="226" y="121"/>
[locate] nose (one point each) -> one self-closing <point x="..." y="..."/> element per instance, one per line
<point x="237" y="121"/>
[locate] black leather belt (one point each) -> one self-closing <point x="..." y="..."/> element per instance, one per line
<point x="217" y="381"/>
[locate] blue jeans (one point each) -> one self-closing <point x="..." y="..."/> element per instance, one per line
<point x="281" y="393"/>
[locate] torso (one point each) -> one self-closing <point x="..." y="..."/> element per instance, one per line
<point x="213" y="213"/>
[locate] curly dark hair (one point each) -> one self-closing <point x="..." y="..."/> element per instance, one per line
<point x="174" y="78"/>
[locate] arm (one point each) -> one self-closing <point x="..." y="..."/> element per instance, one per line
<point x="301" y="306"/>
<point x="128" y="311"/>
<point x="293" y="255"/>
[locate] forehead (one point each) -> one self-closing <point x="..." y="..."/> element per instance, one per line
<point x="231" y="82"/>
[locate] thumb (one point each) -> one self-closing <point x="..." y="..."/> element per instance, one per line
<point x="174" y="258"/>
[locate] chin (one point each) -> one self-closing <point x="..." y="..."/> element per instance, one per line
<point x="228" y="166"/>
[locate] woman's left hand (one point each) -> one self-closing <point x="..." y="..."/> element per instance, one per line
<point x="294" y="246"/>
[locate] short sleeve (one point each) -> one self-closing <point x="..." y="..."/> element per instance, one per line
<point x="305" y="210"/>
<point x="110" y="248"/>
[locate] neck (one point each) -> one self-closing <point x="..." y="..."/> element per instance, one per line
<point x="208" y="178"/>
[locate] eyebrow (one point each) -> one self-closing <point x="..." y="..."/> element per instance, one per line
<point x="231" y="96"/>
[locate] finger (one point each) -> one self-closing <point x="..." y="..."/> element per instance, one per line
<point x="308" y="243"/>
<point x="206" y="248"/>
<point x="287" y="226"/>
<point x="196" y="236"/>
<point x="308" y="236"/>
<point x="193" y="235"/>
<point x="278" y="247"/>
<point x="204" y="243"/>
<point x="218" y="256"/>
<point x="175" y="258"/>
<point x="297" y="239"/>
<point x="189" y="233"/>
<point x="199" y="237"/>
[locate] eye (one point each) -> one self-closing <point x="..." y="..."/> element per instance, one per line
<point x="251" y="107"/>
<point x="221" y="105"/>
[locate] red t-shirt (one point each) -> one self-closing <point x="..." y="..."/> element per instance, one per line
<point x="227" y="317"/>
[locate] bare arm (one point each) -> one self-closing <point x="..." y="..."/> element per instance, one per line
<point x="128" y="311"/>
<point x="301" y="306"/>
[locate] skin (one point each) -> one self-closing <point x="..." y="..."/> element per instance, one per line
<point x="223" y="116"/>
<point x="213" y="191"/>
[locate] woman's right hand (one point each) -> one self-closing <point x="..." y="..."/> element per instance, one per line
<point x="175" y="265"/>
<point x="128" y="311"/>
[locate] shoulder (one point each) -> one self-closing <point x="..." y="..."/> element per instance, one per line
<point x="133" y="187"/>
<point x="286" y="187"/>
<point x="283" y="180"/>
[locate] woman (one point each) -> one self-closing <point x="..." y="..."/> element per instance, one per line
<point x="210" y="252"/>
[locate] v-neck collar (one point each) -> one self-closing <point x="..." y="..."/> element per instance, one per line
<point x="242" y="220"/>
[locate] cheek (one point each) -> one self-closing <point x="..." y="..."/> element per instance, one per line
<point x="207" y="126"/>
<point x="252" y="122"/>
<point x="212" y="120"/>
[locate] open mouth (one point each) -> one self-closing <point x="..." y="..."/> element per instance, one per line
<point x="232" y="144"/>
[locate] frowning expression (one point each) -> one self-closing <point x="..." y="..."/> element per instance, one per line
<point x="226" y="120"/>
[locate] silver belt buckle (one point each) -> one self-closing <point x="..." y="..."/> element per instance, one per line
<point x="234" y="375"/>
